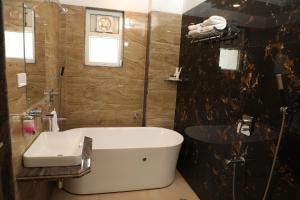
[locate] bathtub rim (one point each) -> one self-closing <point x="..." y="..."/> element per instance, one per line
<point x="178" y="143"/>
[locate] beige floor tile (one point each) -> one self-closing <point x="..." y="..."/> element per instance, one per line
<point x="179" y="190"/>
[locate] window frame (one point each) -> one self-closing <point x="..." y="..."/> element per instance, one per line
<point x="88" y="33"/>
<point x="28" y="30"/>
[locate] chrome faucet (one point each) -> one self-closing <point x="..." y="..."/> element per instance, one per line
<point x="245" y="125"/>
<point x="235" y="160"/>
<point x="35" y="112"/>
<point x="50" y="96"/>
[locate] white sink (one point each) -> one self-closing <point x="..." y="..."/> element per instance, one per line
<point x="54" y="150"/>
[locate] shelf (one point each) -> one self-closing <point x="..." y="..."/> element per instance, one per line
<point x="173" y="79"/>
<point x="229" y="33"/>
<point x="56" y="173"/>
<point x="217" y="38"/>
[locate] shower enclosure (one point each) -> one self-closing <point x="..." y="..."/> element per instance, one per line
<point x="215" y="156"/>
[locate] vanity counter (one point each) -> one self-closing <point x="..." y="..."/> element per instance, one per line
<point x="55" y="173"/>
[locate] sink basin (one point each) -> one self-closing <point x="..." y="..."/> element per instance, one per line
<point x="54" y="150"/>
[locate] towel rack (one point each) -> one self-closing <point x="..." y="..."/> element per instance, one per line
<point x="229" y="33"/>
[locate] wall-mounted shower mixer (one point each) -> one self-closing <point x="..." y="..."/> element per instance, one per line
<point x="245" y="125"/>
<point x="235" y="160"/>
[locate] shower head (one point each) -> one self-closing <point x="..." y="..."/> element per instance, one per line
<point x="63" y="10"/>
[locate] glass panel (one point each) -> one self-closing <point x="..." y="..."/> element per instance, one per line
<point x="29" y="17"/>
<point x="29" y="46"/>
<point x="35" y="31"/>
<point x="103" y="50"/>
<point x="104" y="24"/>
<point x="107" y="24"/>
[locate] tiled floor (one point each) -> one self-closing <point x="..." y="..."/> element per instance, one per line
<point x="179" y="190"/>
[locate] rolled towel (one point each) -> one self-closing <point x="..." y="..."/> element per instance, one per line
<point x="202" y="32"/>
<point x="218" y="22"/>
<point x="213" y="20"/>
<point x="194" y="27"/>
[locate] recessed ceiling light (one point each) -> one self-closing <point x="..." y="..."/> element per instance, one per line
<point x="236" y="5"/>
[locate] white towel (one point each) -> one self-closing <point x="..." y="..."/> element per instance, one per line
<point x="54" y="122"/>
<point x="202" y="32"/>
<point x="219" y="22"/>
<point x="207" y="27"/>
<point x="194" y="27"/>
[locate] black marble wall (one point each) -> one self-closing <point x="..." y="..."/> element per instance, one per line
<point x="269" y="43"/>
<point x="6" y="180"/>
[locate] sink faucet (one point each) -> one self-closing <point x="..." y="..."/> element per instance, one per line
<point x="50" y="96"/>
<point x="49" y="117"/>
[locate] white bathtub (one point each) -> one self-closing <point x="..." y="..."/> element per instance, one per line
<point x="127" y="159"/>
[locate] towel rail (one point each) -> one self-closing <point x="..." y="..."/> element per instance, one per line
<point x="229" y="33"/>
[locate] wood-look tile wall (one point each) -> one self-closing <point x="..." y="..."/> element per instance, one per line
<point x="6" y="176"/>
<point x="163" y="60"/>
<point x="102" y="96"/>
<point x="13" y="21"/>
<point x="45" y="53"/>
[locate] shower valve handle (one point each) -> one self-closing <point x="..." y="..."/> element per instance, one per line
<point x="235" y="160"/>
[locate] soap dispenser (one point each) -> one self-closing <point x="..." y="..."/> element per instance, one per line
<point x="28" y="125"/>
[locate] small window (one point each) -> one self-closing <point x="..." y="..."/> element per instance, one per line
<point x="15" y="41"/>
<point x="104" y="38"/>
<point x="229" y="59"/>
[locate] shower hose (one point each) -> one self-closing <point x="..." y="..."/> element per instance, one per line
<point x="284" y="112"/>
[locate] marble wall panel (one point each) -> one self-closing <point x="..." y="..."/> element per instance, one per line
<point x="102" y="96"/>
<point x="164" y="45"/>
<point x="268" y="42"/>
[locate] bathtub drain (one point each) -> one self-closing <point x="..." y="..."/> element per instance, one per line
<point x="144" y="159"/>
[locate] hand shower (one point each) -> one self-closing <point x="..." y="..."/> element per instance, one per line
<point x="281" y="88"/>
<point x="284" y="111"/>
